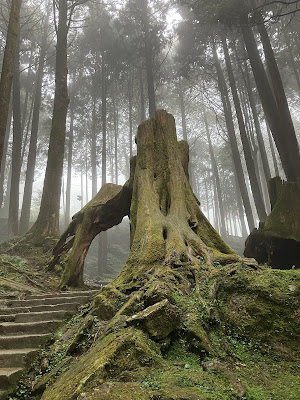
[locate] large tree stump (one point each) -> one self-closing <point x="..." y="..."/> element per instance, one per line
<point x="277" y="240"/>
<point x="167" y="225"/>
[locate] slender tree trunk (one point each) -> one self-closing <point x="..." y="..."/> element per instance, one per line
<point x="116" y="133"/>
<point x="272" y="150"/>
<point x="260" y="139"/>
<point x="31" y="160"/>
<point x="182" y="108"/>
<point x="148" y="58"/>
<point x="70" y="158"/>
<point x="27" y="91"/>
<point x="130" y="96"/>
<point x="3" y="164"/>
<point x="24" y="145"/>
<point x="102" y="247"/>
<point x="233" y="141"/>
<point x="256" y="190"/>
<point x="216" y="175"/>
<point x="94" y="143"/>
<point x="142" y="96"/>
<point x="47" y="222"/>
<point x="13" y="215"/>
<point x="276" y="109"/>
<point x="8" y="68"/>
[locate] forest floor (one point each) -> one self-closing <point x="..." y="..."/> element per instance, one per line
<point x="23" y="267"/>
<point x="235" y="335"/>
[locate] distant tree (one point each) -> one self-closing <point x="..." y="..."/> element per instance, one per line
<point x="47" y="222"/>
<point x="8" y="68"/>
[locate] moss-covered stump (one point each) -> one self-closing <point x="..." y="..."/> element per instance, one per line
<point x="277" y="240"/>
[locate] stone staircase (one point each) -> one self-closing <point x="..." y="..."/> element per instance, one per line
<point x="27" y="323"/>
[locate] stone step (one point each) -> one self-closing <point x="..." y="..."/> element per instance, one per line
<point x="45" y="307"/>
<point x="17" y="357"/>
<point x="13" y="328"/>
<point x="47" y="301"/>
<point x="35" y="316"/>
<point x="74" y="293"/>
<point x="9" y="375"/>
<point x="23" y="341"/>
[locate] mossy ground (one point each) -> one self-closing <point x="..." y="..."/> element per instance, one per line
<point x="23" y="266"/>
<point x="238" y="337"/>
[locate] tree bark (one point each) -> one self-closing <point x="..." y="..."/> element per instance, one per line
<point x="31" y="159"/>
<point x="8" y="68"/>
<point x="47" y="222"/>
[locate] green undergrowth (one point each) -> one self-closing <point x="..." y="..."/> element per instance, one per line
<point x="23" y="266"/>
<point x="235" y="334"/>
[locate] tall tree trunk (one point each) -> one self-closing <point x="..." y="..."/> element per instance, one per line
<point x="3" y="164"/>
<point x="216" y="176"/>
<point x="13" y="215"/>
<point x="292" y="59"/>
<point x="31" y="159"/>
<point x="130" y="98"/>
<point x="28" y="88"/>
<point x="182" y="108"/>
<point x="94" y="142"/>
<point x="116" y="133"/>
<point x="47" y="222"/>
<point x="8" y="68"/>
<point x="276" y="109"/>
<point x="70" y="158"/>
<point x="256" y="190"/>
<point x="148" y="58"/>
<point x="25" y="140"/>
<point x="260" y="139"/>
<point x="233" y="142"/>
<point x="102" y="247"/>
<point x="273" y="152"/>
<point x="142" y="96"/>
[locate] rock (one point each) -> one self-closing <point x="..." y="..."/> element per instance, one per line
<point x="158" y="320"/>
